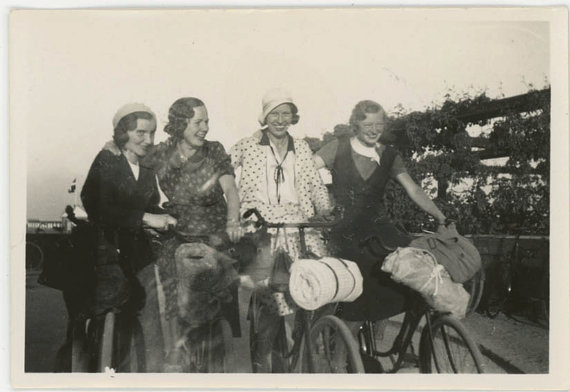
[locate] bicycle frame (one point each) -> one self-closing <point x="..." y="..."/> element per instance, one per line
<point x="301" y="333"/>
<point x="403" y="340"/>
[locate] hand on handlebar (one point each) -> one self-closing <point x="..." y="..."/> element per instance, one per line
<point x="161" y="222"/>
<point x="234" y="230"/>
<point x="449" y="224"/>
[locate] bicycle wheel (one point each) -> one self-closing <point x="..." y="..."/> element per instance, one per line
<point x="34" y="257"/>
<point x="219" y="347"/>
<point x="281" y="360"/>
<point x="453" y="349"/>
<point x="79" y="347"/>
<point x="136" y="352"/>
<point x="106" y="342"/>
<point x="333" y="347"/>
<point x="475" y="287"/>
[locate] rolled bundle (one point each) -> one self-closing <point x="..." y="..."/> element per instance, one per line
<point x="204" y="276"/>
<point x="314" y="283"/>
<point x="419" y="270"/>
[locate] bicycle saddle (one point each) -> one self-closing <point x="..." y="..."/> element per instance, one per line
<point x="377" y="246"/>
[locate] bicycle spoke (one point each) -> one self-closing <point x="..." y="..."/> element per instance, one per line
<point x="334" y="348"/>
<point x="450" y="353"/>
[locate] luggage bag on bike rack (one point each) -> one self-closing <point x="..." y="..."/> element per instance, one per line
<point x="419" y="270"/>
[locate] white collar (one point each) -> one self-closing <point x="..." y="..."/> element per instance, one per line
<point x="369" y="152"/>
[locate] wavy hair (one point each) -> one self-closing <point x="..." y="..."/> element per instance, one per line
<point x="361" y="109"/>
<point x="179" y="114"/>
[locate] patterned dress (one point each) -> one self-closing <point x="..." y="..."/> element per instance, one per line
<point x="251" y="154"/>
<point x="196" y="200"/>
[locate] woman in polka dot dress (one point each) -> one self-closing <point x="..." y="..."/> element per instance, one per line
<point x="279" y="179"/>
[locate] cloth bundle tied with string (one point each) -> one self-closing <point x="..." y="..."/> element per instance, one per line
<point x="419" y="270"/>
<point x="204" y="278"/>
<point x="315" y="283"/>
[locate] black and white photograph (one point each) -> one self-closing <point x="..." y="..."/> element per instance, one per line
<point x="211" y="197"/>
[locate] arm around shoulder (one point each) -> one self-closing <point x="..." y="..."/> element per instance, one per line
<point x="325" y="156"/>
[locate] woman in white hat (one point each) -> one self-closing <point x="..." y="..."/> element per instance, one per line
<point x="279" y="179"/>
<point x="120" y="196"/>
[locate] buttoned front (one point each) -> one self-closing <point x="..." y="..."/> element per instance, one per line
<point x="256" y="162"/>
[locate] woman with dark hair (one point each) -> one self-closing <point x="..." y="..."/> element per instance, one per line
<point x="197" y="177"/>
<point x="361" y="166"/>
<point x="120" y="196"/>
<point x="196" y="174"/>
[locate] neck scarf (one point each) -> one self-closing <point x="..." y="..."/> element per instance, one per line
<point x="279" y="174"/>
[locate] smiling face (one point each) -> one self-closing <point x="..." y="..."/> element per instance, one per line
<point x="279" y="120"/>
<point x="197" y="128"/>
<point x="141" y="138"/>
<point x="369" y="130"/>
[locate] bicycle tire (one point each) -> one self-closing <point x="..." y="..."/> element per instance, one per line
<point x="282" y="358"/>
<point x="454" y="349"/>
<point x="79" y="348"/>
<point x="326" y="334"/>
<point x="475" y="287"/>
<point x="106" y="343"/>
<point x="137" y="349"/>
<point x="219" y="347"/>
<point x="34" y="257"/>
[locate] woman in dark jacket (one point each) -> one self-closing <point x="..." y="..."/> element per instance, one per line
<point x="197" y="177"/>
<point x="121" y="197"/>
<point x="361" y="167"/>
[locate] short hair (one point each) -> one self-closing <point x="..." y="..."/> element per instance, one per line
<point x="179" y="114"/>
<point x="127" y="124"/>
<point x="295" y="112"/>
<point x="361" y="109"/>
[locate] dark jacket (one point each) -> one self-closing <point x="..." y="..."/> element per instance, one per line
<point x="116" y="202"/>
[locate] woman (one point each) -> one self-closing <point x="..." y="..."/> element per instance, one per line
<point x="121" y="196"/>
<point x="197" y="177"/>
<point x="361" y="167"/>
<point x="279" y="179"/>
<point x="195" y="174"/>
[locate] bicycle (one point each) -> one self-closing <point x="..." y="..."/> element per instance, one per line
<point x="203" y="348"/>
<point x="112" y="339"/>
<point x="509" y="294"/>
<point x="475" y="287"/>
<point x="97" y="343"/>
<point x="34" y="257"/>
<point x="445" y="345"/>
<point x="320" y="342"/>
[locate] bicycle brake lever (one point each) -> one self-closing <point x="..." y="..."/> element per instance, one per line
<point x="253" y="211"/>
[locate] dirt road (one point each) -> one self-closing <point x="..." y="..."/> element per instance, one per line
<point x="509" y="346"/>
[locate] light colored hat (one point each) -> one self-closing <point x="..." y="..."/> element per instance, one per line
<point x="129" y="109"/>
<point x="271" y="100"/>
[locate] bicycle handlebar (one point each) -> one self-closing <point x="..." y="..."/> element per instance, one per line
<point x="261" y="222"/>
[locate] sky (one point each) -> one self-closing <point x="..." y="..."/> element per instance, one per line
<point x="71" y="71"/>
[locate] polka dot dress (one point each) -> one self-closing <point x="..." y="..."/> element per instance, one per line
<point x="312" y="195"/>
